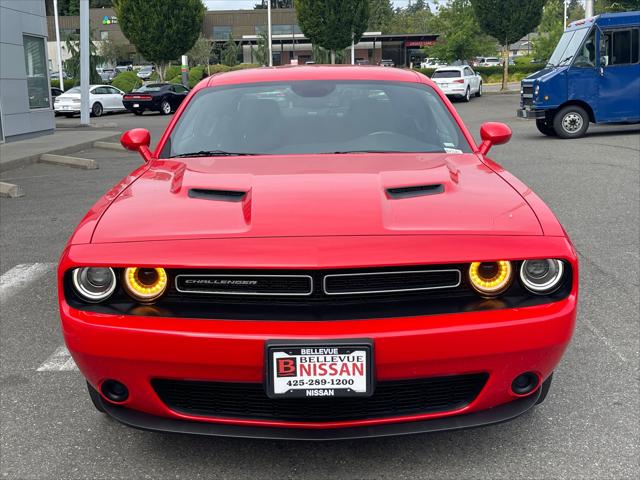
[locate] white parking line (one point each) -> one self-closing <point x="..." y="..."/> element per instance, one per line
<point x="20" y="276"/>
<point x="59" y="361"/>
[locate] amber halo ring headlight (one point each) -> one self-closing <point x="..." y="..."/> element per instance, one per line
<point x="145" y="284"/>
<point x="490" y="278"/>
<point x="94" y="284"/>
<point x="541" y="276"/>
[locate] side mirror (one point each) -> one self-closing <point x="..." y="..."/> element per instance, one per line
<point x="493" y="133"/>
<point x="138" y="140"/>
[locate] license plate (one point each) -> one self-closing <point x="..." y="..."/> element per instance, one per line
<point x="324" y="369"/>
<point x="136" y="105"/>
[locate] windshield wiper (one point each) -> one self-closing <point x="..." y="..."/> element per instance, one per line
<point x="560" y="63"/>
<point x="213" y="153"/>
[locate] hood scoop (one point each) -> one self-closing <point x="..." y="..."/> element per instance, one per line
<point x="218" y="195"/>
<point x="398" y="193"/>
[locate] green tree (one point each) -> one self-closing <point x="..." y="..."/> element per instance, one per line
<point x="508" y="21"/>
<point x="575" y="10"/>
<point x="405" y="21"/>
<point x="200" y="53"/>
<point x="230" y="52"/>
<point x="261" y="50"/>
<point x="380" y="15"/>
<point x="333" y="24"/>
<point x="72" y="64"/>
<point x="461" y="38"/>
<point x="161" y="30"/>
<point x="113" y="52"/>
<point x="604" y="6"/>
<point x="550" y="30"/>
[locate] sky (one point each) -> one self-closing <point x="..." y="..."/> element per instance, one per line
<point x="249" y="4"/>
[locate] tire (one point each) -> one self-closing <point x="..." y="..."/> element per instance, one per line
<point x="545" y="128"/>
<point x="479" y="92"/>
<point x="544" y="389"/>
<point x="97" y="110"/>
<point x="138" y="112"/>
<point x="165" y="108"/>
<point x="467" y="95"/>
<point x="571" y="121"/>
<point x="96" y="399"/>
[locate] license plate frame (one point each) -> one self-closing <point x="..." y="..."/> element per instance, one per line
<point x="293" y="348"/>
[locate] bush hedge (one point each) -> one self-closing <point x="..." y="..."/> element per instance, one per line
<point x="68" y="83"/>
<point x="127" y="81"/>
<point x="494" y="74"/>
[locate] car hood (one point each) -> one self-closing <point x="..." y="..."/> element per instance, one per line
<point x="316" y="195"/>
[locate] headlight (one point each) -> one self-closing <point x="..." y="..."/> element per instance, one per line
<point x="541" y="276"/>
<point x="536" y="91"/>
<point x="490" y="278"/>
<point x="94" y="284"/>
<point x="145" y="284"/>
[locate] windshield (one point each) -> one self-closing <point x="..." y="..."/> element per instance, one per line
<point x="315" y="117"/>
<point x="567" y="47"/>
<point x="446" y="74"/>
<point x="146" y="69"/>
<point x="149" y="88"/>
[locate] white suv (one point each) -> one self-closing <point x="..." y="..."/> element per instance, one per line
<point x="459" y="82"/>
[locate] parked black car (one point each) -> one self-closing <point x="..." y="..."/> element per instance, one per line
<point x="160" y="97"/>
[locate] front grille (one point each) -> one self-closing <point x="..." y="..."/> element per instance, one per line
<point x="527" y="95"/>
<point x="390" y="399"/>
<point x="387" y="282"/>
<point x="227" y="284"/>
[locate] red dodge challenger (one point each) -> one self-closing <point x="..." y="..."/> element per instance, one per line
<point x="317" y="253"/>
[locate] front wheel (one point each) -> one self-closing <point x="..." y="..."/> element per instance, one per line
<point x="545" y="127"/>
<point x="467" y="95"/>
<point x="165" y="108"/>
<point x="479" y="92"/>
<point x="571" y="121"/>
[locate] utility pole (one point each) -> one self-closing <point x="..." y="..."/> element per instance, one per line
<point x="588" y="8"/>
<point x="85" y="78"/>
<point x="269" y="32"/>
<point x="353" y="49"/>
<point x="565" y="15"/>
<point x="58" y="47"/>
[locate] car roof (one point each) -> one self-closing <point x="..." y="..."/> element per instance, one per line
<point x="453" y="67"/>
<point x="311" y="72"/>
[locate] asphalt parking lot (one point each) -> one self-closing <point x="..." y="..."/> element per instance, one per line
<point x="587" y="427"/>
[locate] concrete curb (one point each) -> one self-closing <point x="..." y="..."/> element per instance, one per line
<point x="9" y="190"/>
<point x="20" y="162"/>
<point x="85" y="163"/>
<point x="108" y="145"/>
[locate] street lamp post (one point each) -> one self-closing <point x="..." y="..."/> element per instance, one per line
<point x="269" y="32"/>
<point x="84" y="62"/>
<point x="58" y="47"/>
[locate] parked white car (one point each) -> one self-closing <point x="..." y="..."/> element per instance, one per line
<point x="490" y="62"/>
<point x="432" y="63"/>
<point x="459" y="82"/>
<point x="102" y="99"/>
<point x="145" y="72"/>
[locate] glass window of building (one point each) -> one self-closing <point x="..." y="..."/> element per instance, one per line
<point x="35" y="61"/>
<point x="221" y="32"/>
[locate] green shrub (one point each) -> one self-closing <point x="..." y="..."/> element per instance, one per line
<point x="195" y="75"/>
<point x="494" y="74"/>
<point x="244" y="66"/>
<point x="127" y="81"/>
<point x="173" y="71"/>
<point x="218" y="69"/>
<point x="176" y="79"/>
<point x="68" y="83"/>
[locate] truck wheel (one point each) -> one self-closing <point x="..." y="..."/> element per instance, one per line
<point x="571" y="122"/>
<point x="95" y="398"/>
<point x="544" y="389"/>
<point x="545" y="128"/>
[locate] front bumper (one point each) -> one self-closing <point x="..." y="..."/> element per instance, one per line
<point x="531" y="113"/>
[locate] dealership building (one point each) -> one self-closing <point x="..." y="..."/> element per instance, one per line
<point x="25" y="104"/>
<point x="245" y="27"/>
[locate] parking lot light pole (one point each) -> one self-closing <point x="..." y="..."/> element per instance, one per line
<point x="269" y="32"/>
<point x="58" y="47"/>
<point x="84" y="62"/>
